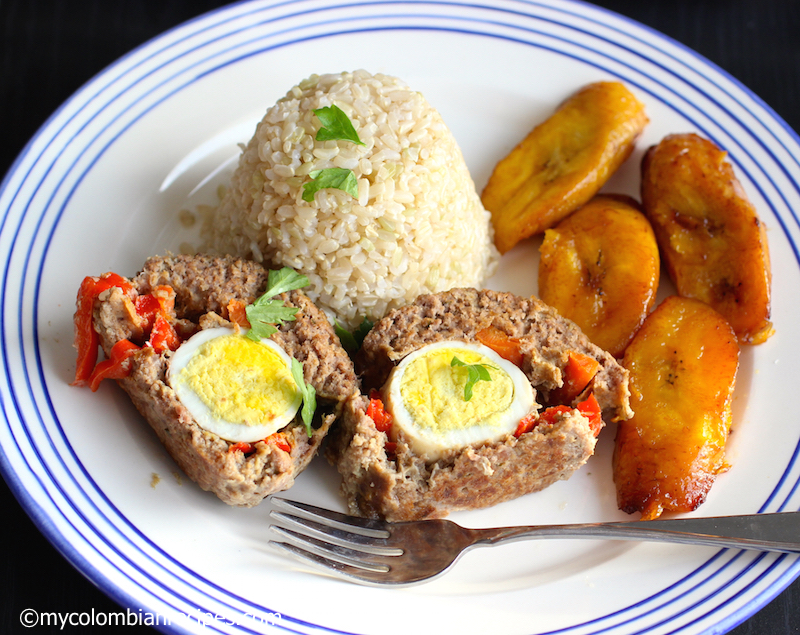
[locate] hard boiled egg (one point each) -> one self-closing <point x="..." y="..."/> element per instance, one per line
<point x="235" y="387"/>
<point x="426" y="394"/>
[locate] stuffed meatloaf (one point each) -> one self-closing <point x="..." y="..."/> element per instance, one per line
<point x="145" y="325"/>
<point x="426" y="440"/>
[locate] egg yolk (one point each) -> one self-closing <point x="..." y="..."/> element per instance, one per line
<point x="433" y="391"/>
<point x="240" y="380"/>
<point x="439" y="405"/>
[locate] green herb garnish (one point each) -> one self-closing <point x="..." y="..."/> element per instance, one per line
<point x="309" y="395"/>
<point x="352" y="341"/>
<point x="362" y="330"/>
<point x="335" y="126"/>
<point x="476" y="373"/>
<point x="334" y="178"/>
<point x="266" y="312"/>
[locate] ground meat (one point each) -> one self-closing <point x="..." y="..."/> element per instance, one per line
<point x="203" y="284"/>
<point x="402" y="486"/>
<point x="203" y="287"/>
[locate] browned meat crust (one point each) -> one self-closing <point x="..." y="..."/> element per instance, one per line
<point x="204" y="286"/>
<point x="403" y="486"/>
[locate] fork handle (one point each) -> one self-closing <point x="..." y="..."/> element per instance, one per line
<point x="778" y="531"/>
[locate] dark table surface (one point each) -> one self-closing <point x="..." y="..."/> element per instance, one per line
<point x="49" y="48"/>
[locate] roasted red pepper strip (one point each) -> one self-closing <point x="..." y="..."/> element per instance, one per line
<point x="504" y="345"/>
<point x="86" y="339"/>
<point x="527" y="424"/>
<point x="163" y="336"/>
<point x="154" y="309"/>
<point x="579" y="370"/>
<point x="237" y="313"/>
<point x="116" y="366"/>
<point x="591" y="410"/>
<point x="148" y="308"/>
<point x="160" y="302"/>
<point x="279" y="441"/>
<point x="382" y="419"/>
<point x="376" y="412"/>
<point x="550" y="414"/>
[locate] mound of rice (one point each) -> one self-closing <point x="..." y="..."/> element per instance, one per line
<point x="417" y="226"/>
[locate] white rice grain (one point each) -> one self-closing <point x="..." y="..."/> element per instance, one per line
<point x="417" y="225"/>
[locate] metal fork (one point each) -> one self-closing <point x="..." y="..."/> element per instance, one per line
<point x="379" y="553"/>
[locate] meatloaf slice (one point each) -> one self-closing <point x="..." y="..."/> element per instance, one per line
<point x="203" y="288"/>
<point x="398" y="485"/>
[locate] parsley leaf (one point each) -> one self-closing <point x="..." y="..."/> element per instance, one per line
<point x="282" y="280"/>
<point x="266" y="312"/>
<point x="476" y="373"/>
<point x="336" y="125"/>
<point x="309" y="395"/>
<point x="264" y="315"/>
<point x="334" y="178"/>
<point x="351" y="341"/>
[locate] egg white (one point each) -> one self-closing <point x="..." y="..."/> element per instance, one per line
<point x="234" y="431"/>
<point x="433" y="444"/>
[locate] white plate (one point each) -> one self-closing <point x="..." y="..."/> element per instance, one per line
<point x="98" y="189"/>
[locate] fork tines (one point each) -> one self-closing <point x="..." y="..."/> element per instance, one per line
<point x="332" y="541"/>
<point x="363" y="526"/>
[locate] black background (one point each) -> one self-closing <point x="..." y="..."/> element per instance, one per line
<point x="50" y="48"/>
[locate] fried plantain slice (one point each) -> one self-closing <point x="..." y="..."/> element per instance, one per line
<point x="563" y="162"/>
<point x="683" y="364"/>
<point x="600" y="267"/>
<point x="713" y="243"/>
